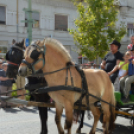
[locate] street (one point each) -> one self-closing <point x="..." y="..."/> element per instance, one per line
<point x="26" y="121"/>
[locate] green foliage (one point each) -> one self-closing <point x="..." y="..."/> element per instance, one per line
<point x="95" y="27"/>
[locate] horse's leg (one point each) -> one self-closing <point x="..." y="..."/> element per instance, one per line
<point x="59" y="110"/>
<point x="106" y="118"/>
<point x="42" y="112"/>
<point x="69" y="116"/>
<point x="96" y="114"/>
<point x="81" y="122"/>
<point x="43" y="118"/>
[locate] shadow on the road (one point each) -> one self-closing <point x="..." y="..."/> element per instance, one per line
<point x="15" y="110"/>
<point x="84" y="123"/>
<point x="120" y="129"/>
<point x="11" y="110"/>
<point x="26" y="109"/>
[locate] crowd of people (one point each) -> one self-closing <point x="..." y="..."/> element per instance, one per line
<point x="118" y="65"/>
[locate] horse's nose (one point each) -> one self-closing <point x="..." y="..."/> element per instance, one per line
<point x="22" y="72"/>
<point x="19" y="71"/>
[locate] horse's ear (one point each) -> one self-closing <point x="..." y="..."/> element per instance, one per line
<point x="41" y="43"/>
<point x="38" y="42"/>
<point x="23" y="43"/>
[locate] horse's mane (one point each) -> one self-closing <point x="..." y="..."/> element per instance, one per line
<point x="58" y="46"/>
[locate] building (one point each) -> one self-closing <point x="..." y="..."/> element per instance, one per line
<point x="53" y="18"/>
<point x="126" y="8"/>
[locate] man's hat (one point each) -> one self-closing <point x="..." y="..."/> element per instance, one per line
<point x="115" y="42"/>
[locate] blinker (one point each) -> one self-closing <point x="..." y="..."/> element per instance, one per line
<point x="35" y="54"/>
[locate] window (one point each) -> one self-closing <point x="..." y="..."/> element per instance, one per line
<point x="130" y="29"/>
<point x="35" y="17"/>
<point x="61" y="22"/>
<point x="2" y="15"/>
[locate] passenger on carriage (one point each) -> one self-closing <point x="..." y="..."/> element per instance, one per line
<point x="111" y="60"/>
<point x="129" y="47"/>
<point x="123" y="65"/>
<point x="126" y="81"/>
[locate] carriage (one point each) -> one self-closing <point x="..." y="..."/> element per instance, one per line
<point x="73" y="86"/>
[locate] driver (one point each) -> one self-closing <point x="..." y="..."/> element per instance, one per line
<point x="112" y="59"/>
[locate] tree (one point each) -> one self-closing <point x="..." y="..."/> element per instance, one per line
<point x="96" y="27"/>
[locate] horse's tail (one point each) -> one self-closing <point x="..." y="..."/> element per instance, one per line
<point x="112" y="111"/>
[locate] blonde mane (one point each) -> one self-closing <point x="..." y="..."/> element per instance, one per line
<point x="58" y="47"/>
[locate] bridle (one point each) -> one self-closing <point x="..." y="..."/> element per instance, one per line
<point x="9" y="62"/>
<point x="34" y="55"/>
<point x="12" y="63"/>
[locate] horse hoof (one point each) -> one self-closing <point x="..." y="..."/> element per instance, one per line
<point x="78" y="131"/>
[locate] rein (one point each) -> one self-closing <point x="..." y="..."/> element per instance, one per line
<point x="47" y="73"/>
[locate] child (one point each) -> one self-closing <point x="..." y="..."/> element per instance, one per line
<point x="123" y="65"/>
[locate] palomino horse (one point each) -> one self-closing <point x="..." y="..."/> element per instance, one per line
<point x="50" y="55"/>
<point x="14" y="57"/>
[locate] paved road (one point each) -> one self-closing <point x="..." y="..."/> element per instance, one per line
<point x="26" y="121"/>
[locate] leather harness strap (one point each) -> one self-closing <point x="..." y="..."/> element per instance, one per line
<point x="85" y="88"/>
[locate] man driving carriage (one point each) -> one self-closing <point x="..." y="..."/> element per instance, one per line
<point x="112" y="59"/>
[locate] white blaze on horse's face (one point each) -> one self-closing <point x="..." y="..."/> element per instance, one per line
<point x="22" y="70"/>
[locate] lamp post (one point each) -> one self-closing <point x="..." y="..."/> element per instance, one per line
<point x="17" y="26"/>
<point x="28" y="11"/>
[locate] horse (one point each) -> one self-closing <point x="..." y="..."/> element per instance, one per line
<point x="14" y="57"/>
<point x="50" y="55"/>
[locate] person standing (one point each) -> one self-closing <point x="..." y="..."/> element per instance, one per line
<point x="111" y="60"/>
<point x="5" y="85"/>
<point x="129" y="47"/>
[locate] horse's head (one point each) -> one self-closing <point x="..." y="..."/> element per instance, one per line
<point x="34" y="59"/>
<point x="46" y="55"/>
<point x="14" y="57"/>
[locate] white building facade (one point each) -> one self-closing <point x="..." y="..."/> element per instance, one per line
<point x="126" y="15"/>
<point x="53" y="18"/>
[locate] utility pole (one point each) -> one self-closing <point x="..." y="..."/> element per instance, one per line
<point x="17" y="15"/>
<point x="29" y="20"/>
